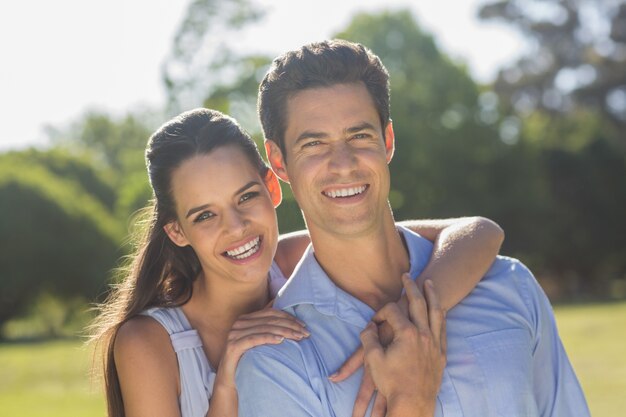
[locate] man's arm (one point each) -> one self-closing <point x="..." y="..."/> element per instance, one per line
<point x="556" y="388"/>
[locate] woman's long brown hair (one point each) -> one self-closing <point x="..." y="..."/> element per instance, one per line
<point x="158" y="272"/>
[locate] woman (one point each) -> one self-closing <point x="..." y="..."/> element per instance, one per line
<point x="193" y="300"/>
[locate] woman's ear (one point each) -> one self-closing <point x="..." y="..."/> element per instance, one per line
<point x="276" y="159"/>
<point x="390" y="141"/>
<point x="175" y="233"/>
<point x="273" y="186"/>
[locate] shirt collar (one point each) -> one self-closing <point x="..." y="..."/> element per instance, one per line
<point x="309" y="284"/>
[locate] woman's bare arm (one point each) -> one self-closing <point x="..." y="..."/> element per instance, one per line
<point x="147" y="369"/>
<point x="464" y="248"/>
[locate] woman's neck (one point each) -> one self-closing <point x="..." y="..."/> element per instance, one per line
<point x="218" y="302"/>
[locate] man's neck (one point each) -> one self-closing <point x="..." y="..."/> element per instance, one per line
<point x="368" y="266"/>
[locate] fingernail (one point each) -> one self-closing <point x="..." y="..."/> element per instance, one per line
<point x="301" y="323"/>
<point x="333" y="376"/>
<point x="279" y="338"/>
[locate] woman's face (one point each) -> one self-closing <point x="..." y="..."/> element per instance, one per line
<point x="225" y="213"/>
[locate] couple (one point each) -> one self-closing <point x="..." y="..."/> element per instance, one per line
<point x="188" y="332"/>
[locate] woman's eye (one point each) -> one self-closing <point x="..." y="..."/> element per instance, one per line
<point x="248" y="196"/>
<point x="205" y="215"/>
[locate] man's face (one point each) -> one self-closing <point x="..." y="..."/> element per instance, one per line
<point x="336" y="159"/>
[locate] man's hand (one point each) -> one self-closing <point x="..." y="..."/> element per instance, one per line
<point x="408" y="372"/>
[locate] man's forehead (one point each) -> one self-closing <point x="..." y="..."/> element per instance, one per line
<point x="330" y="110"/>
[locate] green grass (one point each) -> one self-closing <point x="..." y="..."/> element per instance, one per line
<point x="48" y="379"/>
<point x="51" y="378"/>
<point x="595" y="339"/>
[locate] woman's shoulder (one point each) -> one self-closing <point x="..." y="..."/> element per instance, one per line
<point x="146" y="366"/>
<point x="142" y="336"/>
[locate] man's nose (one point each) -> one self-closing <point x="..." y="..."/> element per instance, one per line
<point x="342" y="158"/>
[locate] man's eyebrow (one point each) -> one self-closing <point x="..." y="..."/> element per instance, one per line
<point x="309" y="134"/>
<point x="239" y="191"/>
<point x="360" y="127"/>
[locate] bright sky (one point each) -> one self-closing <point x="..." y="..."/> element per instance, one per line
<point x="62" y="57"/>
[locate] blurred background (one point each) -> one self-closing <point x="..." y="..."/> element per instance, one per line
<point x="514" y="110"/>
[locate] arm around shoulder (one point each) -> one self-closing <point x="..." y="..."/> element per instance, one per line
<point x="463" y="251"/>
<point x="147" y="369"/>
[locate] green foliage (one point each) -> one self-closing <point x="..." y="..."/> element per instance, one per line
<point x="203" y="45"/>
<point x="572" y="64"/>
<point x="80" y="170"/>
<point x="445" y="154"/>
<point x="556" y="185"/>
<point x="117" y="145"/>
<point x="58" y="237"/>
<point x="115" y="150"/>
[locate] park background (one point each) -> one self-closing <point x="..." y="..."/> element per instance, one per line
<point x="530" y="131"/>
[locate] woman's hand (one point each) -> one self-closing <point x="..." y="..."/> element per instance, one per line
<point x="355" y="361"/>
<point x="385" y="336"/>
<point x="409" y="371"/>
<point x="267" y="326"/>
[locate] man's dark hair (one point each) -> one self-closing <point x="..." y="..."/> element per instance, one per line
<point x="319" y="64"/>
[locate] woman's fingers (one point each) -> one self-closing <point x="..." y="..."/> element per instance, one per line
<point x="373" y="350"/>
<point x="286" y="332"/>
<point x="350" y="366"/>
<point x="393" y="315"/>
<point x="418" y="310"/>
<point x="435" y="313"/>
<point x="380" y="406"/>
<point x="272" y="318"/>
<point x="268" y="314"/>
<point x="364" y="396"/>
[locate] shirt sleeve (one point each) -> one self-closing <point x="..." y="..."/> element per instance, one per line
<point x="272" y="382"/>
<point x="556" y="388"/>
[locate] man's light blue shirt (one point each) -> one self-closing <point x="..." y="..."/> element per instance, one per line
<point x="504" y="355"/>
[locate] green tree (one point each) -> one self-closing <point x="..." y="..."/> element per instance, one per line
<point x="57" y="238"/>
<point x="116" y="147"/>
<point x="447" y="132"/>
<point x="202" y="57"/>
<point x="577" y="57"/>
<point x="569" y="91"/>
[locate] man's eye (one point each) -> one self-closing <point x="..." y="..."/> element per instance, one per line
<point x="248" y="196"/>
<point x="311" y="143"/>
<point x="205" y="215"/>
<point x="360" y="136"/>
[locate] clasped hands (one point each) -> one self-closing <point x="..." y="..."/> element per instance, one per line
<point x="404" y="354"/>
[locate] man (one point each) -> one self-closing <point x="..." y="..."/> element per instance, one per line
<point x="325" y="115"/>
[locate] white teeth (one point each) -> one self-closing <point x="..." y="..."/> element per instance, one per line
<point x="345" y="192"/>
<point x="246" y="250"/>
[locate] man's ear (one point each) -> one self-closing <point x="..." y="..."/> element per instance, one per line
<point x="273" y="186"/>
<point x="390" y="141"/>
<point x="175" y="233"/>
<point x="276" y="159"/>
